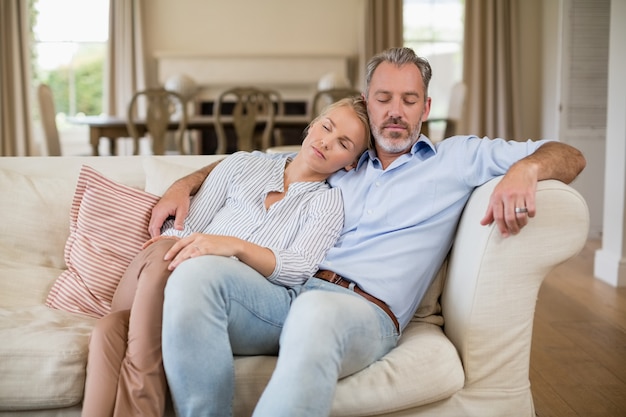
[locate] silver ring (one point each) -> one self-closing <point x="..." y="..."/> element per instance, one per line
<point x="521" y="210"/>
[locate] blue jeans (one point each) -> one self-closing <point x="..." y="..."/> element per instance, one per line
<point x="217" y="307"/>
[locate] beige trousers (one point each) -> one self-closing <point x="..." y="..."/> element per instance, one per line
<point x="125" y="375"/>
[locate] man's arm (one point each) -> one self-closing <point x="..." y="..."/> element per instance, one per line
<point x="553" y="160"/>
<point x="175" y="201"/>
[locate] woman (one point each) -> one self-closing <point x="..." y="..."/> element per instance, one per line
<point x="276" y="216"/>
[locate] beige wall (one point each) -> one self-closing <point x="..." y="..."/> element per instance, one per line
<point x="292" y="27"/>
<point x="334" y="27"/>
<point x="245" y="27"/>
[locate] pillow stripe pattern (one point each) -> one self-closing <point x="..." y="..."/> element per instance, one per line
<point x="108" y="226"/>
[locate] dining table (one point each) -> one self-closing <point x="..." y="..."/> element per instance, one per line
<point x="115" y="127"/>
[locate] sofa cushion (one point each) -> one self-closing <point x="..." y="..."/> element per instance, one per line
<point x="429" y="309"/>
<point x="42" y="357"/>
<point x="424" y="368"/>
<point x="22" y="230"/>
<point x="108" y="226"/>
<point x="161" y="174"/>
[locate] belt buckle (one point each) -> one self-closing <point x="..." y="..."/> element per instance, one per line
<point x="336" y="279"/>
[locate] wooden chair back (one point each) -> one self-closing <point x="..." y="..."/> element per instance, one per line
<point x="253" y="107"/>
<point x="47" y="113"/>
<point x="165" y="110"/>
<point x="456" y="106"/>
<point x="323" y="98"/>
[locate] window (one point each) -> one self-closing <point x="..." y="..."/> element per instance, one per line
<point x="434" y="29"/>
<point x="69" y="54"/>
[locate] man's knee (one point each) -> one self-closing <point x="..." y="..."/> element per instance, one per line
<point x="313" y="314"/>
<point x="316" y="306"/>
<point x="327" y="313"/>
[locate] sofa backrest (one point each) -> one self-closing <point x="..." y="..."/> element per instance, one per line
<point x="36" y="196"/>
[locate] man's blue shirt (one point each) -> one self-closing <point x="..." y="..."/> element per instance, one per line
<point x="400" y="222"/>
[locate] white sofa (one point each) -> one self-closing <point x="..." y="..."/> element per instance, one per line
<point x="476" y="364"/>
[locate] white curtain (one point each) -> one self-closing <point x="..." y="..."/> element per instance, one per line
<point x="126" y="59"/>
<point x="16" y="136"/>
<point x="491" y="69"/>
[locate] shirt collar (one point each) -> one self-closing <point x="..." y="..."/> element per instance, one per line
<point x="276" y="181"/>
<point x="423" y="143"/>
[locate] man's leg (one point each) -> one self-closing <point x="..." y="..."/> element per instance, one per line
<point x="330" y="333"/>
<point x="216" y="307"/>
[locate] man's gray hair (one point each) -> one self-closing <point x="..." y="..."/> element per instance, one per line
<point x="399" y="57"/>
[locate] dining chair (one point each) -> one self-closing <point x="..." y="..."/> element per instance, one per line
<point x="279" y="109"/>
<point x="453" y="118"/>
<point x="165" y="110"/>
<point x="252" y="108"/>
<point x="323" y="98"/>
<point x="47" y="114"/>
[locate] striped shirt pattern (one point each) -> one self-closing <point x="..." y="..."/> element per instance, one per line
<point x="299" y="229"/>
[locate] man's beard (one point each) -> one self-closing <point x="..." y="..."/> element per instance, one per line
<point x="394" y="143"/>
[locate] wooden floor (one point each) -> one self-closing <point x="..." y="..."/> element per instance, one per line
<point x="578" y="357"/>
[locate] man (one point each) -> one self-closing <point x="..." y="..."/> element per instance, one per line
<point x="402" y="204"/>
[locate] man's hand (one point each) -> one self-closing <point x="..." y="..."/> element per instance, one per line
<point x="552" y="160"/>
<point x="175" y="202"/>
<point x="516" y="190"/>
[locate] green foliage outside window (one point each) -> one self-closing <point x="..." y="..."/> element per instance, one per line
<point x="84" y="94"/>
<point x="77" y="85"/>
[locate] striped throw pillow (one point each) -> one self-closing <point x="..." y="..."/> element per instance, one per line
<point x="108" y="226"/>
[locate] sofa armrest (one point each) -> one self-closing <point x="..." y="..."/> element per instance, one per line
<point x="491" y="289"/>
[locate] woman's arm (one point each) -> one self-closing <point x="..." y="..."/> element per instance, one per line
<point x="288" y="266"/>
<point x="255" y="256"/>
<point x="317" y="234"/>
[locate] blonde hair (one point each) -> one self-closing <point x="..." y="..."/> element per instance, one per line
<point x="357" y="104"/>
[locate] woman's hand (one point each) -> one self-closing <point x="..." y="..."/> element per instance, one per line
<point x="198" y="244"/>
<point x="154" y="239"/>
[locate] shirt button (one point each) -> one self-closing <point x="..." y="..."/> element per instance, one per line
<point x="369" y="211"/>
<point x="378" y="183"/>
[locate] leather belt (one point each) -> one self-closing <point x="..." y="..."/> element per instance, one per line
<point x="331" y="277"/>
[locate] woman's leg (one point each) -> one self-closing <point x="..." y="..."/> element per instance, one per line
<point x="142" y="388"/>
<point x="124" y="370"/>
<point x="216" y="307"/>
<point x="107" y="345"/>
